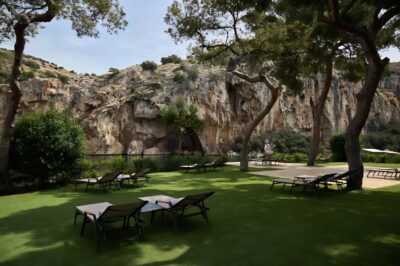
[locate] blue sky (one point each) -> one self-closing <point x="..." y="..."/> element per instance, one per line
<point x="144" y="39"/>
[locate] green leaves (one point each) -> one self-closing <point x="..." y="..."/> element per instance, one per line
<point x="180" y="116"/>
<point x="85" y="15"/>
<point x="47" y="143"/>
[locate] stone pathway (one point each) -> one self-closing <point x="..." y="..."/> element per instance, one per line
<point x="291" y="170"/>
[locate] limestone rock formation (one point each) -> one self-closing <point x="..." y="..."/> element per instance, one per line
<point x="120" y="112"/>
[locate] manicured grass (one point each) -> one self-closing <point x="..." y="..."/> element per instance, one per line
<point x="250" y="225"/>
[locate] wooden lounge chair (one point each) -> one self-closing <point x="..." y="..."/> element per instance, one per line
<point x="104" y="182"/>
<point x="196" y="166"/>
<point x="179" y="207"/>
<point x="313" y="182"/>
<point x="141" y="175"/>
<point x="104" y="214"/>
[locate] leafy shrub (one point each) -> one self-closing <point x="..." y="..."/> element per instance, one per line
<point x="237" y="144"/>
<point x="27" y="76"/>
<point x="337" y="142"/>
<point x="47" y="144"/>
<point x="32" y="64"/>
<point x="62" y="78"/>
<point x="171" y="59"/>
<point x="49" y="74"/>
<point x="4" y="77"/>
<point x="88" y="169"/>
<point x="154" y="86"/>
<point x="149" y="65"/>
<point x="179" y="77"/>
<point x="145" y="162"/>
<point x="296" y="158"/>
<point x="113" y="71"/>
<point x="386" y="138"/>
<point x="192" y="73"/>
<point x="380" y="158"/>
<point x="171" y="163"/>
<point x="214" y="77"/>
<point x="285" y="141"/>
<point x="117" y="164"/>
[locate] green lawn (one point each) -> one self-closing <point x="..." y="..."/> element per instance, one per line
<point x="250" y="225"/>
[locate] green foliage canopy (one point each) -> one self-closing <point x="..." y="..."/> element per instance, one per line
<point x="387" y="137"/>
<point x="84" y="15"/>
<point x="248" y="31"/>
<point x="180" y="116"/>
<point x="171" y="59"/>
<point x="149" y="65"/>
<point x="47" y="144"/>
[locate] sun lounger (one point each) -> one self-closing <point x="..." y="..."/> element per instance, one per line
<point x="391" y="173"/>
<point x="104" y="182"/>
<point x="340" y="180"/>
<point x="312" y="182"/>
<point x="280" y="159"/>
<point x="179" y="207"/>
<point x="103" y="214"/>
<point x="217" y="163"/>
<point x="266" y="159"/>
<point x="141" y="175"/>
<point x="197" y="166"/>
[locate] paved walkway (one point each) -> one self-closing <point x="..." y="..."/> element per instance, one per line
<point x="290" y="170"/>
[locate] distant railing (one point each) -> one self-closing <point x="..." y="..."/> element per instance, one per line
<point x="130" y="157"/>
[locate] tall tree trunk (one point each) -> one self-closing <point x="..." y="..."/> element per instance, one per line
<point x="12" y="105"/>
<point x="180" y="142"/>
<point x="244" y="162"/>
<point x="317" y="111"/>
<point x="364" y="101"/>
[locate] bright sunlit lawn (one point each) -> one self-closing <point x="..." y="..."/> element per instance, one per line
<point x="249" y="225"/>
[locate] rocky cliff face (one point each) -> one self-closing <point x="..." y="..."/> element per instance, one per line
<point x="120" y="112"/>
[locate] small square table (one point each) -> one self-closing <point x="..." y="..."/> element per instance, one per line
<point x="161" y="200"/>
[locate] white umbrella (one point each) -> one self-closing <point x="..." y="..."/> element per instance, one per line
<point x="380" y="151"/>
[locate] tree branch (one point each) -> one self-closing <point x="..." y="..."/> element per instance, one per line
<point x="255" y="79"/>
<point x="348" y="7"/>
<point x="47" y="16"/>
<point x="388" y="15"/>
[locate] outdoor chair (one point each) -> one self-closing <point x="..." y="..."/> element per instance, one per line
<point x="340" y="180"/>
<point x="324" y="157"/>
<point x="141" y="175"/>
<point x="112" y="222"/>
<point x="196" y="166"/>
<point x="384" y="173"/>
<point x="280" y="159"/>
<point x="104" y="182"/>
<point x="220" y="162"/>
<point x="179" y="207"/>
<point x="266" y="159"/>
<point x="313" y="182"/>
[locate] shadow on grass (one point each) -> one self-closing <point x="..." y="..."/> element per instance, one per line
<point x="250" y="225"/>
